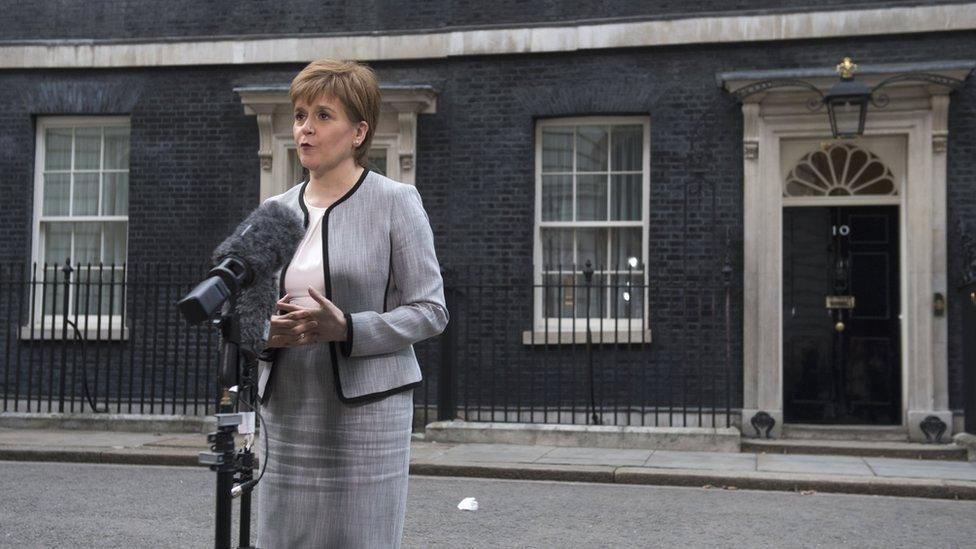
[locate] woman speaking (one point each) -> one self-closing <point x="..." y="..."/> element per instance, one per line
<point x="363" y="286"/>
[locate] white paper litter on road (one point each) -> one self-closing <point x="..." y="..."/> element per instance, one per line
<point x="468" y="504"/>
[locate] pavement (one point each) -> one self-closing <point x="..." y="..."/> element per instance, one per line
<point x="712" y="470"/>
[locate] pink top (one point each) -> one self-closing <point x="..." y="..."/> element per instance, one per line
<point x="305" y="268"/>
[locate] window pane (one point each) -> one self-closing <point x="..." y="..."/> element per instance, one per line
<point x="88" y="148"/>
<point x="558" y="297"/>
<point x="88" y="243"/>
<point x="56" y="193"/>
<point x="557" y="249"/>
<point x="115" y="239"/>
<point x="597" y="300"/>
<point x="591" y="149"/>
<point x="598" y="192"/>
<point x="626" y="143"/>
<point x="557" y="198"/>
<point x="297" y="173"/>
<point x="111" y="291"/>
<point x="86" y="290"/>
<point x="376" y="159"/>
<point x="591" y="195"/>
<point x="591" y="244"/>
<point x="557" y="149"/>
<point x="116" y="148"/>
<point x="627" y="296"/>
<point x="57" y="242"/>
<point x="625" y="197"/>
<point x="57" y="149"/>
<point x="85" y="194"/>
<point x="625" y="248"/>
<point x="49" y="292"/>
<point x="115" y="193"/>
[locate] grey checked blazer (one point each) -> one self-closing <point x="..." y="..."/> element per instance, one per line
<point x="382" y="272"/>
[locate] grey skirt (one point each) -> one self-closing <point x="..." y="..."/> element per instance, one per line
<point x="336" y="473"/>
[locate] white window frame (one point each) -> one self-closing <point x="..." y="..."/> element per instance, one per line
<point x="392" y="144"/>
<point x="603" y="330"/>
<point x="111" y="324"/>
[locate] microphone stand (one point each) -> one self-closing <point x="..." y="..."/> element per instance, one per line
<point x="222" y="458"/>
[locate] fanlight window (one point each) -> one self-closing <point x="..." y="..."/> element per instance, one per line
<point x="842" y="169"/>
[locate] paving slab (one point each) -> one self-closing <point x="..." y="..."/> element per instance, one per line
<point x="495" y="453"/>
<point x="57" y="439"/>
<point x="821" y="465"/>
<point x="911" y="468"/>
<point x="426" y="451"/>
<point x="719" y="461"/>
<point x="596" y="456"/>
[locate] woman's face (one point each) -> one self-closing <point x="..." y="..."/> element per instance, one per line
<point x="324" y="135"/>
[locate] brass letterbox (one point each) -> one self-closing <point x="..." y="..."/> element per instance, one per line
<point x="840" y="302"/>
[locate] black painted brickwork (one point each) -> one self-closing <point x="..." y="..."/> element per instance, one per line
<point x="192" y="158"/>
<point x="80" y="19"/>
<point x="195" y="175"/>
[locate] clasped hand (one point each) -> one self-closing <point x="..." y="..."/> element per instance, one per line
<point x="302" y="325"/>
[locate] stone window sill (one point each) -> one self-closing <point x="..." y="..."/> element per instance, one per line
<point x="605" y="337"/>
<point x="91" y="335"/>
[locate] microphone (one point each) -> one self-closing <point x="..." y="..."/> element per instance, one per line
<point x="258" y="248"/>
<point x="263" y="242"/>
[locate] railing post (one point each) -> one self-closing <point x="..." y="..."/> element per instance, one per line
<point x="64" y="332"/>
<point x="588" y="276"/>
<point x="447" y="386"/>
<point x="727" y="284"/>
<point x="969" y="356"/>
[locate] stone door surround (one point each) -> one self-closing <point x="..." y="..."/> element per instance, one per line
<point x="918" y="113"/>
<point x="397" y="125"/>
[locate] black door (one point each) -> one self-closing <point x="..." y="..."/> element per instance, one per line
<point x="841" y="329"/>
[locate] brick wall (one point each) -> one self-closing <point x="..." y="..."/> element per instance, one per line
<point x="194" y="175"/>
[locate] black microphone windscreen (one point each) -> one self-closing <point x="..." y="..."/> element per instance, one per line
<point x="265" y="241"/>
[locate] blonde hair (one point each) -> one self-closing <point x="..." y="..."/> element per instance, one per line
<point x="353" y="84"/>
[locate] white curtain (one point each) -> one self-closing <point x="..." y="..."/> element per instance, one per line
<point x="606" y="164"/>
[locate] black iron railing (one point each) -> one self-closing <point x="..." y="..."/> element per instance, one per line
<point x="568" y="344"/>
<point x="105" y="338"/>
<point x="580" y="349"/>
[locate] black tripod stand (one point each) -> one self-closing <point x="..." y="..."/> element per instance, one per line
<point x="223" y="458"/>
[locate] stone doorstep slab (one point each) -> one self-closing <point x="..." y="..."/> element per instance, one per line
<point x="721" y="439"/>
<point x="109" y="422"/>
